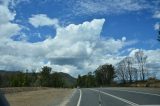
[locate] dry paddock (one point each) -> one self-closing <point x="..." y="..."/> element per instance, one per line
<point x="39" y="97"/>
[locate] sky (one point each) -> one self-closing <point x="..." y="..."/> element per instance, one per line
<point x="76" y="36"/>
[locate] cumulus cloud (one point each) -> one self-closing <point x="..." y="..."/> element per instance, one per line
<point x="7" y="28"/>
<point x="75" y="49"/>
<point x="42" y="20"/>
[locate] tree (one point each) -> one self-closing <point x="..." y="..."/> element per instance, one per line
<point x="26" y="80"/>
<point x="121" y="71"/>
<point x="125" y="70"/>
<point x="79" y="81"/>
<point x="17" y="80"/>
<point x="91" y="80"/>
<point x="45" y="76"/>
<point x="57" y="80"/>
<point x="141" y="60"/>
<point x="105" y="74"/>
<point x="129" y="62"/>
<point x="86" y="80"/>
<point x="34" y="79"/>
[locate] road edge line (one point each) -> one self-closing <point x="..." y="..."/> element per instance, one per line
<point x="79" y="100"/>
<point x="119" y="98"/>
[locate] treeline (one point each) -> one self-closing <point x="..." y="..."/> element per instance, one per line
<point x="32" y="79"/>
<point x="102" y="76"/>
<point x="132" y="69"/>
<point x="129" y="71"/>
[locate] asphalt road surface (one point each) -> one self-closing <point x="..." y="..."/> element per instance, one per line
<point x="116" y="97"/>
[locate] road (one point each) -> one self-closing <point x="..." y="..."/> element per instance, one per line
<point x="115" y="97"/>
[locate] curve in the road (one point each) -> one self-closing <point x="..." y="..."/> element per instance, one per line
<point x="79" y="100"/>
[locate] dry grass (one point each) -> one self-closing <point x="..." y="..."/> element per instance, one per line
<point x="20" y="89"/>
<point x="47" y="97"/>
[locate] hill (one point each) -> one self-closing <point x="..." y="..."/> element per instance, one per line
<point x="69" y="80"/>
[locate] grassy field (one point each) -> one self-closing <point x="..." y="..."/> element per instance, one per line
<point x="40" y="97"/>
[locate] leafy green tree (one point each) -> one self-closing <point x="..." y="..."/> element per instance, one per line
<point x="105" y="74"/>
<point x="91" y="82"/>
<point x="86" y="80"/>
<point x="79" y="81"/>
<point x="34" y="79"/>
<point x="17" y="80"/>
<point x="45" y="76"/>
<point x="57" y="80"/>
<point x="26" y="79"/>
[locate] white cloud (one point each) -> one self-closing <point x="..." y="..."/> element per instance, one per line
<point x="133" y="51"/>
<point x="42" y="20"/>
<point x="156" y="14"/>
<point x="156" y="26"/>
<point x="153" y="60"/>
<point x="75" y="49"/>
<point x="153" y="56"/>
<point x="109" y="7"/>
<point x="82" y="46"/>
<point x="7" y="28"/>
<point x="5" y="14"/>
<point x="88" y="7"/>
<point x="123" y="38"/>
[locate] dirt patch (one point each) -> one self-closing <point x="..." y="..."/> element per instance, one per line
<point x="48" y="97"/>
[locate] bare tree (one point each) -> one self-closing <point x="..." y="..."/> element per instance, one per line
<point x="141" y="60"/>
<point x="125" y="70"/>
<point x="129" y="69"/>
<point x="121" y="71"/>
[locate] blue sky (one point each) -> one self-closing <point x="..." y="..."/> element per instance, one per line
<point x="69" y="35"/>
<point x="135" y="24"/>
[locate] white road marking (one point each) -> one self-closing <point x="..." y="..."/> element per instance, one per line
<point x="137" y="92"/>
<point x="79" y="100"/>
<point x="99" y="99"/>
<point x="116" y="97"/>
<point x="149" y="105"/>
